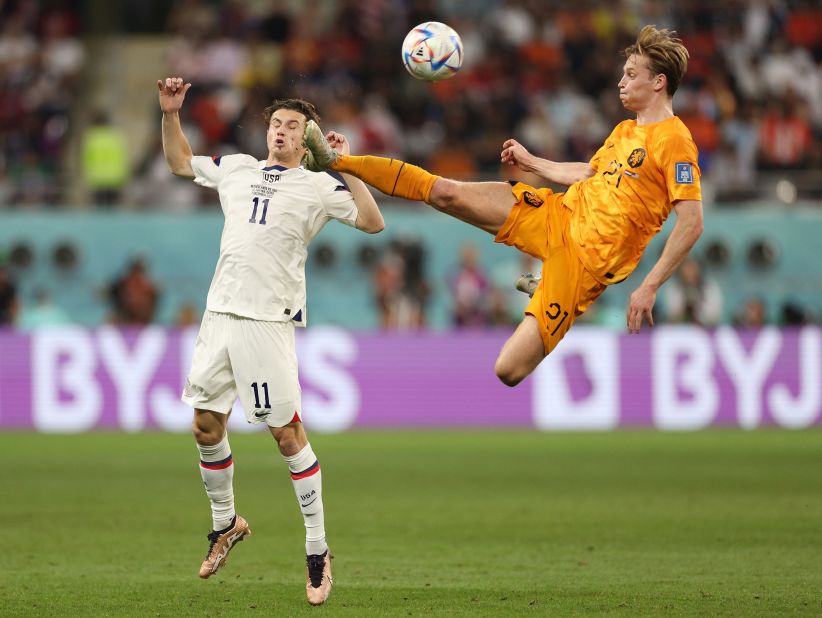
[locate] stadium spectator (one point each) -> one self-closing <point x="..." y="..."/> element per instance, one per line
<point x="187" y="315"/>
<point x="692" y="297"/>
<point x="470" y="290"/>
<point x="752" y="313"/>
<point x="42" y="314"/>
<point x="401" y="288"/>
<point x="40" y="62"/>
<point x="499" y="311"/>
<point x="134" y="296"/>
<point x="793" y="313"/>
<point x="784" y="136"/>
<point x="8" y="298"/>
<point x="105" y="160"/>
<point x="389" y="274"/>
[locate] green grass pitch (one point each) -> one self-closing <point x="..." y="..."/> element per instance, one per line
<point x="493" y="523"/>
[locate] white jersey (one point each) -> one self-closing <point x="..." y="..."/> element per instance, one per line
<point x="271" y="215"/>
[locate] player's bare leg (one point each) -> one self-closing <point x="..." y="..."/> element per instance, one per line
<point x="217" y="471"/>
<point x="521" y="354"/>
<point x="307" y="480"/>
<point x="483" y="204"/>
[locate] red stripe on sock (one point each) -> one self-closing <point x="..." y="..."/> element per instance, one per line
<point x="217" y="465"/>
<point x="310" y="472"/>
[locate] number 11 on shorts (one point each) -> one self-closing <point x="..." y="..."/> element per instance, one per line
<point x="264" y="387"/>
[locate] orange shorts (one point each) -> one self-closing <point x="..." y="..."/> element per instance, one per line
<point x="538" y="225"/>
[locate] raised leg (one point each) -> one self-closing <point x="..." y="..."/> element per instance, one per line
<point x="521" y="354"/>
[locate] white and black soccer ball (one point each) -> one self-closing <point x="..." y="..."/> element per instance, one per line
<point x="432" y="51"/>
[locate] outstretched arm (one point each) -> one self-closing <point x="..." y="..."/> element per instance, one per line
<point x="175" y="145"/>
<point x="514" y="153"/>
<point x="687" y="230"/>
<point x="369" y="217"/>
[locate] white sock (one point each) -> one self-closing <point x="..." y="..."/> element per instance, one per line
<point x="308" y="480"/>
<point x="217" y="470"/>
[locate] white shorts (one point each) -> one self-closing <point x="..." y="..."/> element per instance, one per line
<point x="255" y="359"/>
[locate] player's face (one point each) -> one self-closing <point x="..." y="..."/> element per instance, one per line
<point x="285" y="135"/>
<point x="638" y="85"/>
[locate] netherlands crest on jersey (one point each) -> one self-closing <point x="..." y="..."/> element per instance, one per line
<point x="684" y="174"/>
<point x="636" y="157"/>
<point x="532" y="199"/>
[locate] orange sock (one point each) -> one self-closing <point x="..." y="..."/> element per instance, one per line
<point x="392" y="177"/>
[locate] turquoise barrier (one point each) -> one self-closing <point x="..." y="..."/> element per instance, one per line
<point x="182" y="249"/>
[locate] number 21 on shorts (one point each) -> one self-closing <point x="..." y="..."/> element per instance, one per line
<point x="554" y="311"/>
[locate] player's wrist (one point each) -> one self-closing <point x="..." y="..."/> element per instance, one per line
<point x="651" y="285"/>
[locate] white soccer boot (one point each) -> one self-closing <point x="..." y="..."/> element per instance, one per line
<point x="320" y="155"/>
<point x="528" y="283"/>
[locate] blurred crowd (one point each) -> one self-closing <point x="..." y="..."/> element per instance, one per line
<point x="41" y="59"/>
<point x="542" y="72"/>
<point x="479" y="297"/>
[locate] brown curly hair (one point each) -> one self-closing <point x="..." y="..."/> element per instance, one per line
<point x="665" y="53"/>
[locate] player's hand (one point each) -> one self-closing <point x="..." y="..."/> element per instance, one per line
<point x="338" y="142"/>
<point x="640" y="307"/>
<point x="514" y="153"/>
<point x="172" y="93"/>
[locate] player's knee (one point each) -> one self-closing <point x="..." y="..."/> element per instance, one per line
<point x="289" y="438"/>
<point x="207" y="436"/>
<point x="508" y="373"/>
<point x="444" y="194"/>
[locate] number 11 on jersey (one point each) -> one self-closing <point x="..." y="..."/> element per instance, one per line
<point x="253" y="218"/>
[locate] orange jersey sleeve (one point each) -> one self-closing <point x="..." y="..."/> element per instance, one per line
<point x="639" y="173"/>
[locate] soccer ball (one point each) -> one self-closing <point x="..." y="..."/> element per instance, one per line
<point x="432" y="51"/>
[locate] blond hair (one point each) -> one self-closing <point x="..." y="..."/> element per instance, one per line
<point x="665" y="54"/>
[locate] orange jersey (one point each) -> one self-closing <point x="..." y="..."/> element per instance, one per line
<point x="639" y="172"/>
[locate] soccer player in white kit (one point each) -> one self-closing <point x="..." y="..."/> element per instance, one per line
<point x="272" y="208"/>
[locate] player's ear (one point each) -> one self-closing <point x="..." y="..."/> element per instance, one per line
<point x="661" y="82"/>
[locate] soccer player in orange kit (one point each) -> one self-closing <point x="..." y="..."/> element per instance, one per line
<point x="594" y="234"/>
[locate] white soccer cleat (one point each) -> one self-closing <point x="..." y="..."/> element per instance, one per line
<point x="528" y="283"/>
<point x="319" y="583"/>
<point x="221" y="542"/>
<point x="320" y="155"/>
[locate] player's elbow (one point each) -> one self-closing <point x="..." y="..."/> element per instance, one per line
<point x="371" y="227"/>
<point x="377" y="227"/>
<point x="587" y="172"/>
<point x="179" y="165"/>
<point x="697" y="226"/>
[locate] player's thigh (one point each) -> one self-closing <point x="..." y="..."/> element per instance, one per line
<point x="210" y="382"/>
<point x="485" y="205"/>
<point x="264" y="358"/>
<point x="521" y="353"/>
<point x="536" y="222"/>
<point x="565" y="291"/>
